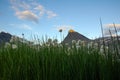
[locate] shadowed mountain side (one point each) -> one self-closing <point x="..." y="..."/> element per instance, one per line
<point x="5" y="37"/>
<point x="72" y="35"/>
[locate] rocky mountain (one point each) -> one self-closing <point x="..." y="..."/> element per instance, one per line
<point x="4" y="37"/>
<point x="73" y="35"/>
<point x="7" y="37"/>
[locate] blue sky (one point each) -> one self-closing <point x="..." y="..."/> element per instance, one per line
<point x="46" y="17"/>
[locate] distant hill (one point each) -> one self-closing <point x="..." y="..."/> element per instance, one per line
<point x="4" y="37"/>
<point x="73" y="35"/>
<point x="107" y="40"/>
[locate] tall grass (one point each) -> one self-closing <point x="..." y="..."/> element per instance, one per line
<point x="57" y="62"/>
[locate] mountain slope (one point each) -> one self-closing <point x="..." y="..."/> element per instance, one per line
<point x="5" y="37"/>
<point x="72" y="35"/>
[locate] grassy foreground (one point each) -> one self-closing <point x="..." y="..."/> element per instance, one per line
<point x="58" y="63"/>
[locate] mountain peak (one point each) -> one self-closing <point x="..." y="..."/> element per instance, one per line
<point x="73" y="35"/>
<point x="71" y="30"/>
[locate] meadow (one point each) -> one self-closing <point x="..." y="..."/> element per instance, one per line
<point x="53" y="61"/>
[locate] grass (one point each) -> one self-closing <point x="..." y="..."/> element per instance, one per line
<point x="53" y="61"/>
<point x="57" y="63"/>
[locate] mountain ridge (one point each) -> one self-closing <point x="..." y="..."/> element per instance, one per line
<point x="5" y="37"/>
<point x="72" y="35"/>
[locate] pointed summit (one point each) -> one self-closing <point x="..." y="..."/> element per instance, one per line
<point x="73" y="35"/>
<point x="71" y="30"/>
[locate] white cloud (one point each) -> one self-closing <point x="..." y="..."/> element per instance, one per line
<point x="110" y="29"/>
<point x="112" y="25"/>
<point x="40" y="9"/>
<point x="51" y="14"/>
<point x="27" y="15"/>
<point x="24" y="5"/>
<point x="30" y="10"/>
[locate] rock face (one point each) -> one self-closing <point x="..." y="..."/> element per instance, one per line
<point x="72" y="35"/>
<point x="5" y="37"/>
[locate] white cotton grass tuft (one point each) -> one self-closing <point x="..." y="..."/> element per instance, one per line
<point x="14" y="46"/>
<point x="7" y="45"/>
<point x="73" y="42"/>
